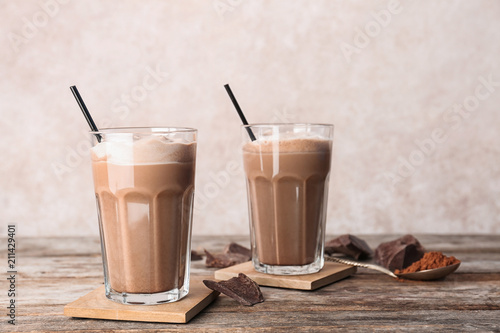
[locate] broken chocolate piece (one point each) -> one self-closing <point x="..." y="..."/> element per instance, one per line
<point x="195" y="256"/>
<point x="237" y="248"/>
<point x="241" y="288"/>
<point x="224" y="260"/>
<point x="349" y="245"/>
<point x="399" y="253"/>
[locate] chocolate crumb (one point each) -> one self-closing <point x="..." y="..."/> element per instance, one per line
<point x="241" y="288"/>
<point x="224" y="260"/>
<point x="349" y="245"/>
<point x="195" y="256"/>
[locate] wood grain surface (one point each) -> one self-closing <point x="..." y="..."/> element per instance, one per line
<point x="53" y="272"/>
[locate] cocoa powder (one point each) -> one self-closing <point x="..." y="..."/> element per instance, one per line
<point x="430" y="260"/>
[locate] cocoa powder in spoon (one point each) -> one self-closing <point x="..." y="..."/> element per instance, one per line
<point x="430" y="260"/>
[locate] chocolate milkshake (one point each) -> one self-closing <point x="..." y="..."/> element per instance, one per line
<point x="144" y="185"/>
<point x="287" y="182"/>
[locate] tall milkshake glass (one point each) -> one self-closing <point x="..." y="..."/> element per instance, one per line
<point x="287" y="170"/>
<point x="144" y="188"/>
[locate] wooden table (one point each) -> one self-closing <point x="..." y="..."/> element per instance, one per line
<point x="55" y="271"/>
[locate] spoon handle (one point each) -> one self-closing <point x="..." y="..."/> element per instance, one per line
<point x="361" y="264"/>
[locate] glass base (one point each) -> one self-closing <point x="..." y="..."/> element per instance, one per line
<point x="147" y="299"/>
<point x="311" y="268"/>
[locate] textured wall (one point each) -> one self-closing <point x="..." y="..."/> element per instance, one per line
<point x="413" y="89"/>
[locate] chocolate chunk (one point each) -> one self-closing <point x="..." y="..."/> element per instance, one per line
<point x="237" y="248"/>
<point x="241" y="288"/>
<point x="350" y="245"/>
<point x="195" y="256"/>
<point x="224" y="260"/>
<point x="399" y="253"/>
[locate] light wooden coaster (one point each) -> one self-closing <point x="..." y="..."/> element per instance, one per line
<point x="95" y="305"/>
<point x="330" y="273"/>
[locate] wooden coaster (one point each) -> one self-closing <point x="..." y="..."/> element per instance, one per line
<point x="330" y="273"/>
<point x="95" y="305"/>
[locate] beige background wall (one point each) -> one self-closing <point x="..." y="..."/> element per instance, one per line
<point x="413" y="89"/>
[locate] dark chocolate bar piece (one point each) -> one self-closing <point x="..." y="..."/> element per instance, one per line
<point x="399" y="253"/>
<point x="237" y="248"/>
<point x="224" y="260"/>
<point x="349" y="245"/>
<point x="241" y="288"/>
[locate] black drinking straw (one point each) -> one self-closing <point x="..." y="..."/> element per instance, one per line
<point x="85" y="111"/>
<point x="240" y="113"/>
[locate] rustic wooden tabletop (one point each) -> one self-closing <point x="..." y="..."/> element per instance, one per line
<point x="53" y="272"/>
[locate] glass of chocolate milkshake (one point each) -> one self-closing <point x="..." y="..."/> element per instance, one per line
<point x="144" y="188"/>
<point x="287" y="168"/>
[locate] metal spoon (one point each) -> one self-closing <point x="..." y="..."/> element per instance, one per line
<point x="428" y="274"/>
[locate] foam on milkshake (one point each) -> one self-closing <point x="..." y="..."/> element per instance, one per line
<point x="148" y="150"/>
<point x="288" y="145"/>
